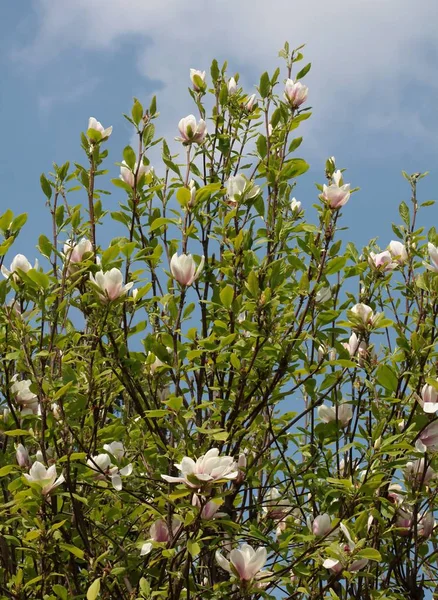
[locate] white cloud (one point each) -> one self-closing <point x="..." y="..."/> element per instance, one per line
<point x="365" y="53"/>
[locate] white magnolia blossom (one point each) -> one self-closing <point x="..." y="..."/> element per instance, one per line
<point x="342" y="413"/>
<point x="131" y="176"/>
<point x="321" y="525"/>
<point x="74" y="253"/>
<point x="97" y="126"/>
<point x="365" y="314"/>
<point x="23" y="395"/>
<point x="44" y="478"/>
<point x="251" y="103"/>
<point x="195" y="73"/>
<point x="111" y="284"/>
<point x="232" y="86"/>
<point x="433" y="255"/>
<point x="206" y="470"/>
<point x="428" y="438"/>
<point x="191" y="131"/>
<point x="183" y="268"/>
<point x="101" y="464"/>
<point x="117" y="449"/>
<point x="418" y="472"/>
<point x="295" y="206"/>
<point x="398" y="251"/>
<point x="19" y="262"/>
<point x="295" y="93"/>
<point x="239" y="189"/>
<point x="245" y="563"/>
<point x="354" y="346"/>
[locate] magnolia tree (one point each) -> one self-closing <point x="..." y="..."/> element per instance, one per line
<point x="225" y="402"/>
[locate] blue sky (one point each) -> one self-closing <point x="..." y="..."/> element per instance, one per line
<point x="373" y="88"/>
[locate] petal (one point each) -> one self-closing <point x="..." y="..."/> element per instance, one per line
<point x="116" y="480"/>
<point x="146" y="549"/>
<point x="222" y="561"/>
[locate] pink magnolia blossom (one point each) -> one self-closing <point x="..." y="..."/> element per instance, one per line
<point x="346" y="550"/>
<point x="383" y="261"/>
<point x="44" y="478"/>
<point x="209" y="510"/>
<point x="131" y="176"/>
<point x="74" y="253"/>
<point x="195" y="73"/>
<point x="245" y="563"/>
<point x="251" y="103"/>
<point x="275" y="505"/>
<point x="23" y="458"/>
<point x="24" y="396"/>
<point x="111" y="284"/>
<point x="429" y="399"/>
<point x="405" y="522"/>
<point x="206" y="470"/>
<point x="295" y="93"/>
<point x="428" y="438"/>
<point x="192" y="132"/>
<point x="183" y="268"/>
<point x="417" y="472"/>
<point x="337" y="193"/>
<point x="95" y="125"/>
<point x="159" y="533"/>
<point x="342" y="413"/>
<point x="321" y="525"/>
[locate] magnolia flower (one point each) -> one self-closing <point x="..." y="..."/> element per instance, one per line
<point x="207" y="470"/>
<point x="364" y="313"/>
<point x="44" y="478"/>
<point x="429" y="399"/>
<point x="195" y="73"/>
<point x="295" y="93"/>
<point x="337" y="566"/>
<point x="321" y="525"/>
<point x="111" y="284"/>
<point x="56" y="411"/>
<point x="159" y="532"/>
<point x="251" y="103"/>
<point x="417" y="472"/>
<point x="342" y="413"/>
<point x="322" y="295"/>
<point x="239" y="188"/>
<point x="232" y="86"/>
<point x="101" y="464"/>
<point x="192" y="132"/>
<point x="428" y="438"/>
<point x="382" y="261"/>
<point x="241" y="465"/>
<point x="209" y="510"/>
<point x="156" y="364"/>
<point x="433" y="255"/>
<point x="398" y="251"/>
<point x="275" y="506"/>
<point x="131" y="176"/>
<point x="24" y="396"/>
<point x="183" y="268"/>
<point x="22" y="455"/>
<point x="405" y="522"/>
<point x="19" y="262"/>
<point x="354" y="346"/>
<point x="74" y="253"/>
<point x="97" y="126"/>
<point x="192" y="189"/>
<point x="116" y="449"/>
<point x="337" y="193"/>
<point x="295" y="206"/>
<point x="245" y="563"/>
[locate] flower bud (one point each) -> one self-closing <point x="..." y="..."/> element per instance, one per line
<point x="295" y="206"/>
<point x="251" y="103"/>
<point x="183" y="269"/>
<point x="192" y="132"/>
<point x="194" y="75"/>
<point x="295" y="93"/>
<point x="321" y="525"/>
<point x="96" y="126"/>
<point x="232" y="86"/>
<point x="22" y="456"/>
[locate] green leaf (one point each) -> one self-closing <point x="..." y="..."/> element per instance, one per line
<point x="160" y="222"/>
<point x="183" y="196"/>
<point x="265" y="85"/>
<point x="60" y="591"/>
<point x="387" y="378"/>
<point x="303" y="72"/>
<point x="6" y="470"/>
<point x="335" y="265"/>
<point x="293" y="168"/>
<point x="73" y="550"/>
<point x="45" y="246"/>
<point x="45" y="186"/>
<point x="41" y="279"/>
<point x="94" y="589"/>
<point x="6" y="220"/>
<point x="129" y="157"/>
<point x="295" y="143"/>
<point x="194" y="548"/>
<point x="370" y="554"/>
<point x="214" y="71"/>
<point x="17" y="432"/>
<point x="403" y="209"/>
<point x="226" y="295"/>
<point x="137" y="112"/>
<point x="262" y="147"/>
